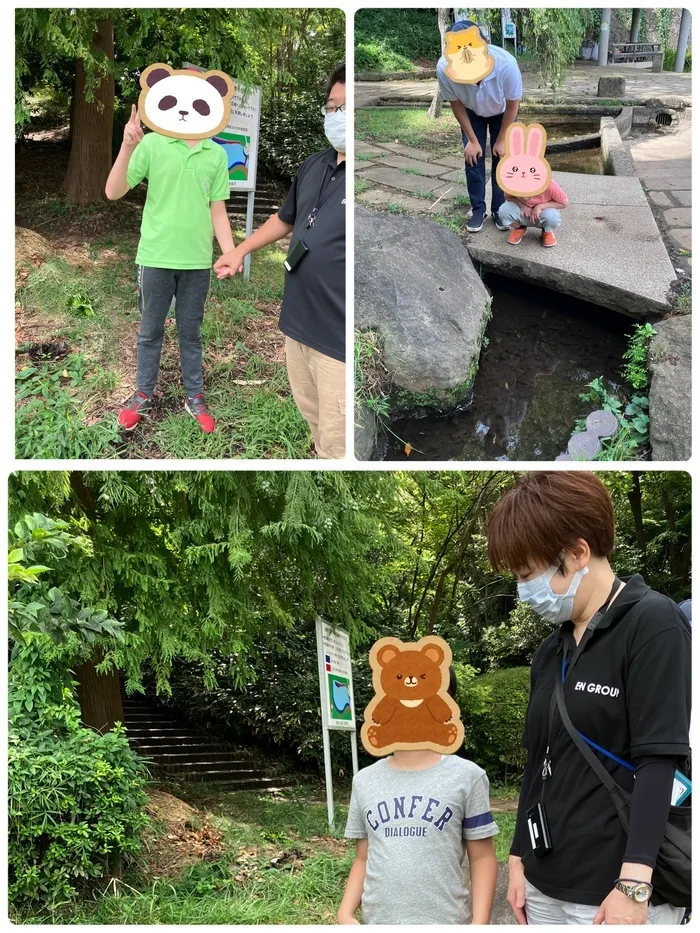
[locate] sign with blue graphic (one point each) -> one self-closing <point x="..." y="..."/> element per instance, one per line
<point x="336" y="684"/>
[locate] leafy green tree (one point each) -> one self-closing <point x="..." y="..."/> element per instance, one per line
<point x="556" y="35"/>
<point x="94" y="56"/>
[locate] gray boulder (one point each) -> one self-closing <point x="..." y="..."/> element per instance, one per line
<point x="416" y="285"/>
<point x="365" y="432"/>
<point x="670" y="390"/>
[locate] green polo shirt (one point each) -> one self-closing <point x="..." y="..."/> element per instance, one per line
<point x="176" y="229"/>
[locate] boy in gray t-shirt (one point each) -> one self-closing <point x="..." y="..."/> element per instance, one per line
<point x="414" y="816"/>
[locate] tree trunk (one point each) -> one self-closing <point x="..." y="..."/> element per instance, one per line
<point x="634" y="497"/>
<point x="99" y="695"/>
<point x="91" y="129"/>
<point x="435" y="109"/>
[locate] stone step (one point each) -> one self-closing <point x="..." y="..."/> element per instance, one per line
<point x="150" y="747"/>
<point x="197" y="753"/>
<point x="268" y="783"/>
<point x="201" y="771"/>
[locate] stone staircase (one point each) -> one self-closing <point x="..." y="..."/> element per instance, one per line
<point x="268" y="200"/>
<point x="181" y="752"/>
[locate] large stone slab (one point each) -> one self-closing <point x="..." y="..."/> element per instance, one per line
<point x="395" y="178"/>
<point x="670" y="390"/>
<point x="416" y="285"/>
<point x="380" y="197"/>
<point x="413" y="165"/>
<point x="609" y="250"/>
<point x="409" y="151"/>
<point x="363" y="148"/>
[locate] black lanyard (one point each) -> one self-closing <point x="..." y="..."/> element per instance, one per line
<point x="568" y="666"/>
<point x="311" y="219"/>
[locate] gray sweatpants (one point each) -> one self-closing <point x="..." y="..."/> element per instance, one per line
<point x="542" y="909"/>
<point x="156" y="289"/>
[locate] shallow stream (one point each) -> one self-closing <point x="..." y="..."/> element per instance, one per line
<point x="541" y="349"/>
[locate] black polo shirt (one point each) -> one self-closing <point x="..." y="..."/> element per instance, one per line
<point x="630" y="693"/>
<point x="313" y="307"/>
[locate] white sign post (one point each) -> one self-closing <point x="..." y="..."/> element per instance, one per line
<point x="337" y="700"/>
<point x="239" y="139"/>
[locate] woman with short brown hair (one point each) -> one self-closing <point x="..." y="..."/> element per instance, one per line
<point x="622" y="653"/>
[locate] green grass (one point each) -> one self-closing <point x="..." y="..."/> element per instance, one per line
<point x="361" y="184"/>
<point x="240" y="885"/>
<point x="89" y="300"/>
<point x="684" y="298"/>
<point x="411" y="126"/>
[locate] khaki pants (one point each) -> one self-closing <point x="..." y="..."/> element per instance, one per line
<point x="318" y="387"/>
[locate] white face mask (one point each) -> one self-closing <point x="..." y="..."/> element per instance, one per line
<point x="334" y="128"/>
<point x="541" y="598"/>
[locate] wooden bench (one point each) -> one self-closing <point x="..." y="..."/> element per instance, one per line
<point x="627" y="52"/>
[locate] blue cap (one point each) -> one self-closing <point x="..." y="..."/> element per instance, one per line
<point x="466" y="24"/>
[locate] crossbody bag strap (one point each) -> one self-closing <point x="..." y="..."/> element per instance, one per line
<point x="602" y="772"/>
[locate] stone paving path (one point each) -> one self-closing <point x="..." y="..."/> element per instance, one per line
<point x="663" y="164"/>
<point x="416" y="180"/>
<point x="581" y="81"/>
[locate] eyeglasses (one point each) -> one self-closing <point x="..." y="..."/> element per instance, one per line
<point x="331" y="109"/>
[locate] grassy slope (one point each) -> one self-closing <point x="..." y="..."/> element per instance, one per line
<point x="240" y="885"/>
<point x="81" y="292"/>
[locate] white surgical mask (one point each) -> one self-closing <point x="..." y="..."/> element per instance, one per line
<point x="541" y="598"/>
<point x="334" y="128"/>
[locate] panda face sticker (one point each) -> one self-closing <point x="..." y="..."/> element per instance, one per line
<point x="185" y="104"/>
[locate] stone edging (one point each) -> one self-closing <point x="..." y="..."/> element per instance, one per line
<point x="616" y="158"/>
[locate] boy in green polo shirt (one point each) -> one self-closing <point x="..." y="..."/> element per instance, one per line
<point x="185" y="206"/>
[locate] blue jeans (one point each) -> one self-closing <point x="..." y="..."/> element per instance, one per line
<point x="509" y="212"/>
<point x="476" y="174"/>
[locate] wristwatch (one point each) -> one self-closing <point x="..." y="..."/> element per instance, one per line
<point x="637" y="891"/>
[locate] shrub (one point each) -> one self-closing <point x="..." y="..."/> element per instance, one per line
<point x="515" y="641"/>
<point x="385" y="37"/>
<point x="75" y="812"/>
<point x="493" y="710"/>
<point x="290" y="133"/>
<point x="670" y="60"/>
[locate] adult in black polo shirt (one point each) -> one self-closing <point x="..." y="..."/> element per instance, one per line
<point x="313" y="307"/>
<point x="628" y="692"/>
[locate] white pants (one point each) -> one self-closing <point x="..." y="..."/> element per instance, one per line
<point x="541" y="909"/>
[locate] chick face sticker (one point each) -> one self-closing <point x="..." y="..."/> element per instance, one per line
<point x="185" y="104"/>
<point x="523" y="171"/>
<point x="411" y="708"/>
<point x="467" y="54"/>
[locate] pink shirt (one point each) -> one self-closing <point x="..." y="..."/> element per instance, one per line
<point x="552" y="193"/>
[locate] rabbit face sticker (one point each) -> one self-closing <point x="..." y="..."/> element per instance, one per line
<point x="185" y="104"/>
<point x="467" y="54"/>
<point x="523" y="171"/>
<point x="411" y="708"/>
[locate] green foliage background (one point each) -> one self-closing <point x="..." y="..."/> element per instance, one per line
<point x="290" y="53"/>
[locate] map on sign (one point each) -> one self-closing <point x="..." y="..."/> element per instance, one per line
<point x="239" y="138"/>
<point x="337" y="697"/>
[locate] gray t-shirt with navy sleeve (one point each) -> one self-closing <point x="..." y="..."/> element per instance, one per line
<point x="417" y="824"/>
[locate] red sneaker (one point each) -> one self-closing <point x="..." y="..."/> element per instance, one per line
<point x="548" y="238"/>
<point x="130" y="416"/>
<point x="197" y="407"/>
<point x="516" y="235"/>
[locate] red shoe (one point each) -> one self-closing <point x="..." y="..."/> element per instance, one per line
<point x="548" y="238"/>
<point x="130" y="416"/>
<point x="197" y="407"/>
<point x="516" y="235"/>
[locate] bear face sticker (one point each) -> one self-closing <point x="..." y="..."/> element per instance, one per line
<point x="523" y="171"/>
<point x="468" y="57"/>
<point x="411" y="708"/>
<point x="185" y="104"/>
